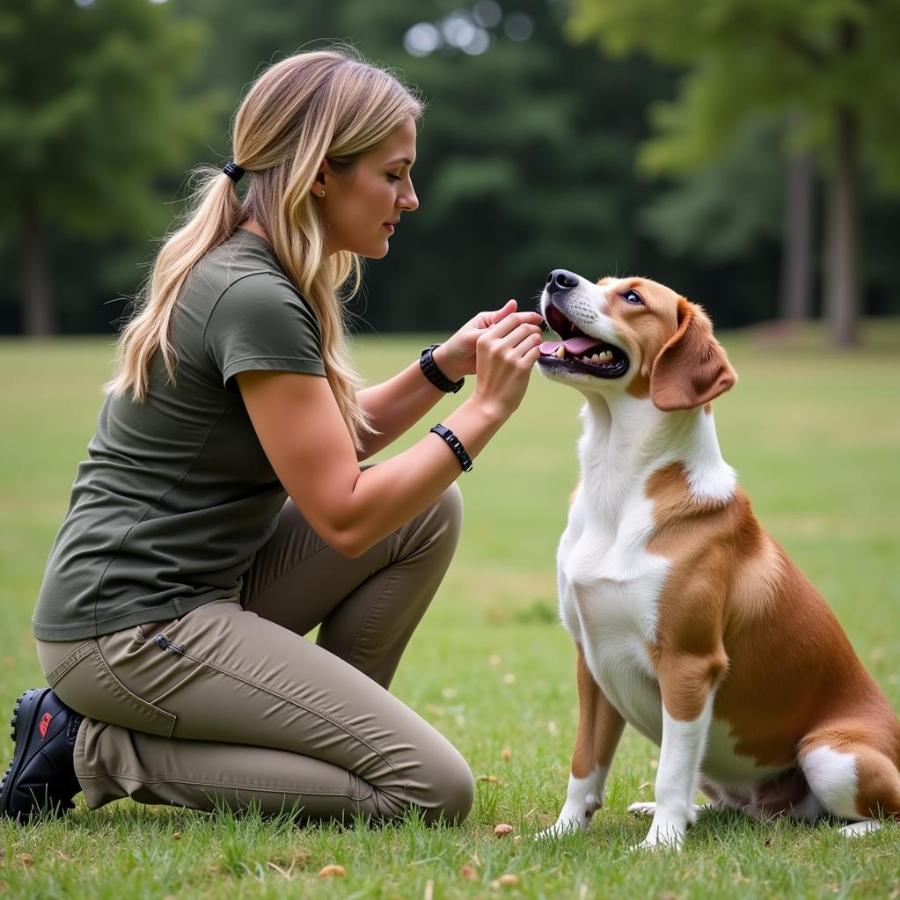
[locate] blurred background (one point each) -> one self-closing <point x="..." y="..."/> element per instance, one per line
<point x="747" y="152"/>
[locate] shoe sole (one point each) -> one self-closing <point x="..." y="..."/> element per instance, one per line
<point x="24" y="721"/>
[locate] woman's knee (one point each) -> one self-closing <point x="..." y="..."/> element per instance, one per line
<point x="446" y="514"/>
<point x="452" y="793"/>
<point x="443" y="789"/>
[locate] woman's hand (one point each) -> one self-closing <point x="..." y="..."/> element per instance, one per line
<point x="505" y="355"/>
<point x="457" y="356"/>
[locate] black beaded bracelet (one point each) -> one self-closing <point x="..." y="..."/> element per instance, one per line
<point x="455" y="445"/>
<point x="435" y="375"/>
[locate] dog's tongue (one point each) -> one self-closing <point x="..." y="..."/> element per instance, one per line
<point x="574" y="346"/>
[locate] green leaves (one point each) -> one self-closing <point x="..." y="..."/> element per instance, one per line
<point x="746" y="57"/>
<point x="92" y="114"/>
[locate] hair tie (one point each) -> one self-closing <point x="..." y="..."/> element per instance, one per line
<point x="233" y="171"/>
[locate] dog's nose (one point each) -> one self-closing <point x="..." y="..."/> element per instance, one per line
<point x="561" y="280"/>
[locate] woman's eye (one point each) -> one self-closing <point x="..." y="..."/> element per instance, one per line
<point x="393" y="177"/>
<point x="632" y="297"/>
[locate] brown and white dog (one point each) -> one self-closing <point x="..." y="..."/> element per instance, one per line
<point x="691" y="623"/>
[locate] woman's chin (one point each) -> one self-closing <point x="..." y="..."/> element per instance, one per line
<point x="376" y="252"/>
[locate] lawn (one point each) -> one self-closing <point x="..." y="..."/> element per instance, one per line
<point x="815" y="437"/>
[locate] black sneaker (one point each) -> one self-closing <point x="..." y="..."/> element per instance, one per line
<point x="41" y="777"/>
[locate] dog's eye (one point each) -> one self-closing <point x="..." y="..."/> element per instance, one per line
<point x="632" y="297"/>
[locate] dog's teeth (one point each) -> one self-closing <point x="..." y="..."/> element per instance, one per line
<point x="560" y="352"/>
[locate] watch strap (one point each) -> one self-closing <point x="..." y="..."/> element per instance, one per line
<point x="435" y="375"/>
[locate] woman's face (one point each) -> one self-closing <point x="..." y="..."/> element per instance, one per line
<point x="362" y="204"/>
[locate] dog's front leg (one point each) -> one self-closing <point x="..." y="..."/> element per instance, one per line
<point x="599" y="729"/>
<point x="687" y="688"/>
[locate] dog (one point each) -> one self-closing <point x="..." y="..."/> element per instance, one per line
<point x="690" y="622"/>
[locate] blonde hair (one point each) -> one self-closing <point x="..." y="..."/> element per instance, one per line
<point x="306" y="108"/>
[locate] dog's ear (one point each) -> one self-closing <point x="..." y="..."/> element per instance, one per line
<point x="692" y="368"/>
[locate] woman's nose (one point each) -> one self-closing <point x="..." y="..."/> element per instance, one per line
<point x="408" y="200"/>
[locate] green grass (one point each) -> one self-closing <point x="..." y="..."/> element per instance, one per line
<point x="815" y="436"/>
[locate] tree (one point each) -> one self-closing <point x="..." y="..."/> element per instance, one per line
<point x="524" y="155"/>
<point x="525" y="159"/>
<point x="726" y="217"/>
<point x="833" y="63"/>
<point x="90" y="117"/>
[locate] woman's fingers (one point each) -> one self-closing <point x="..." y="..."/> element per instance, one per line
<point x="520" y="336"/>
<point x="512" y="321"/>
<point x="486" y="320"/>
<point x="492" y="318"/>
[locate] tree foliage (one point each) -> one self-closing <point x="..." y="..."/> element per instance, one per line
<point x="829" y="67"/>
<point x="526" y="155"/>
<point x="759" y="56"/>
<point x="92" y="116"/>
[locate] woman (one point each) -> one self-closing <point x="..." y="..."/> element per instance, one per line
<point x="223" y="513"/>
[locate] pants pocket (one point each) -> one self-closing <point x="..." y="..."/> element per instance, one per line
<point x="91" y="688"/>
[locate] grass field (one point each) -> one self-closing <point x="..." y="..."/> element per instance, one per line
<point x="815" y="437"/>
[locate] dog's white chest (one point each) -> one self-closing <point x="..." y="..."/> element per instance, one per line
<point x="609" y="592"/>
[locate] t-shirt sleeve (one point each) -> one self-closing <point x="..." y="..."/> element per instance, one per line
<point x="261" y="323"/>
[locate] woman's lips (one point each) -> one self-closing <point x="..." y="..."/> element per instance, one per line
<point x="389" y="227"/>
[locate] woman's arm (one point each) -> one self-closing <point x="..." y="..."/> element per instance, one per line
<point x="397" y="404"/>
<point x="306" y="440"/>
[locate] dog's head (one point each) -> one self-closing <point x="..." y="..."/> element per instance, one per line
<point x="632" y="335"/>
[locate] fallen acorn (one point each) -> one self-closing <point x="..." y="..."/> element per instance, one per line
<point x="507" y="880"/>
<point x="489" y="779"/>
<point x="332" y="871"/>
<point x="502" y="830"/>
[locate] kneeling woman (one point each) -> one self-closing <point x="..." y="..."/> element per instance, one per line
<point x="222" y="512"/>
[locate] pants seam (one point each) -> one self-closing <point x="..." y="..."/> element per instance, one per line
<point x="69" y="661"/>
<point x="273" y="693"/>
<point x="236" y="786"/>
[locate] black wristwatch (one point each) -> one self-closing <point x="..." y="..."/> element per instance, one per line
<point x="431" y="371"/>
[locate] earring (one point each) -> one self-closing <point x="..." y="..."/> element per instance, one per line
<point x="321" y="193"/>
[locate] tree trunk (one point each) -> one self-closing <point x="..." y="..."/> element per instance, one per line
<point x="842" y="279"/>
<point x="843" y="287"/>
<point x="38" y="317"/>
<point x="796" y="259"/>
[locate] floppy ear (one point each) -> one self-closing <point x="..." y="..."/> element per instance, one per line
<point x="692" y="368"/>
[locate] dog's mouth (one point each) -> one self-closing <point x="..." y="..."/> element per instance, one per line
<point x="579" y="352"/>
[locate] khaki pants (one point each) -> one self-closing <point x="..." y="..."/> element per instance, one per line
<point x="231" y="705"/>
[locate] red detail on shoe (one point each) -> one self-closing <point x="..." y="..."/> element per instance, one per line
<point x="46" y="719"/>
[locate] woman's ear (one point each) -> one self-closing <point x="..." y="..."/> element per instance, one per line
<point x="317" y="188"/>
<point x="692" y="368"/>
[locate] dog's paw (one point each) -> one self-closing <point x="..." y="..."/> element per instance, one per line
<point x="571" y="820"/>
<point x="644" y="810"/>
<point x="560" y="829"/>
<point x="664" y="834"/>
<point x="857" y="829"/>
<point x="648" y="810"/>
<point x="655" y="846"/>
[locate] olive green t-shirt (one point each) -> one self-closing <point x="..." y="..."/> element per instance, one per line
<point x="177" y="495"/>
